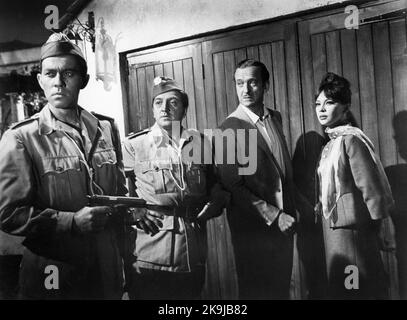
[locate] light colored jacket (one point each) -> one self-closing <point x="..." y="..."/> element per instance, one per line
<point x="160" y="174"/>
<point x="44" y="181"/>
<point x="362" y="196"/>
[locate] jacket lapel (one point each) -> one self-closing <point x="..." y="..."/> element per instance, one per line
<point x="261" y="142"/>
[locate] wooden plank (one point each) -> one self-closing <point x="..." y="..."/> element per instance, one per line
<point x="220" y="87"/>
<point x="350" y="69"/>
<point x="367" y="84"/>
<point x="189" y="89"/>
<point x="240" y="55"/>
<point x="168" y="71"/>
<point x="125" y="75"/>
<point x="318" y="53"/>
<point x="398" y="42"/>
<point x="210" y="100"/>
<point x="147" y="111"/>
<point x="237" y="39"/>
<point x="158" y="70"/>
<point x="212" y="264"/>
<point x="253" y="52"/>
<point x="333" y="52"/>
<point x="385" y="109"/>
<point x="319" y="63"/>
<point x="201" y="109"/>
<point x="311" y="123"/>
<point x="231" y="96"/>
<point x="178" y="72"/>
<point x="163" y="56"/>
<point x="384" y="92"/>
<point x="280" y="86"/>
<point x="143" y="102"/>
<point x="265" y="57"/>
<point x="296" y="118"/>
<point x="179" y="78"/>
<point x="134" y="106"/>
<point x="222" y="251"/>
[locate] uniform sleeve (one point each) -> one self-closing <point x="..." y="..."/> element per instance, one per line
<point x="18" y="214"/>
<point x="128" y="156"/>
<point x="367" y="177"/>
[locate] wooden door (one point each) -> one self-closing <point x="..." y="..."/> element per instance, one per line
<point x="276" y="46"/>
<point x="374" y="59"/>
<point x="273" y="44"/>
<point x="183" y="64"/>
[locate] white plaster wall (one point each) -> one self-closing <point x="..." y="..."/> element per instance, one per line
<point x="135" y="24"/>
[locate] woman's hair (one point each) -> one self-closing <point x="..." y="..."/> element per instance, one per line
<point x="337" y="88"/>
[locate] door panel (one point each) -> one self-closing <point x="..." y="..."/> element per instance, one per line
<point x="272" y="44"/>
<point x="184" y="65"/>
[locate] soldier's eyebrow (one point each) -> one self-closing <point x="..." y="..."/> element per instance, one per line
<point x="58" y="69"/>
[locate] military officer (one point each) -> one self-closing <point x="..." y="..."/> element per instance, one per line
<point x="170" y="250"/>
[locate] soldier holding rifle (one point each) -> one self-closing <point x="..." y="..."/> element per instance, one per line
<point x="48" y="165"/>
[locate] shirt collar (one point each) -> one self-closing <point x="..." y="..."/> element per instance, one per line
<point x="160" y="138"/>
<point x="254" y="117"/>
<point x="48" y="123"/>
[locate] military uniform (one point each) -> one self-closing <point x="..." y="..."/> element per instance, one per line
<point x="47" y="169"/>
<point x="165" y="176"/>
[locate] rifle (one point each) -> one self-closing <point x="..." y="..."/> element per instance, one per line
<point x="126" y="202"/>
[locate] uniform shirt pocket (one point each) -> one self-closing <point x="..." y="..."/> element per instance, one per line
<point x="105" y="157"/>
<point x="62" y="182"/>
<point x="157" y="175"/>
<point x="61" y="164"/>
<point x="158" y="249"/>
<point x="105" y="168"/>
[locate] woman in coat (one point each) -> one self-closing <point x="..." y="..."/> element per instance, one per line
<point x="354" y="199"/>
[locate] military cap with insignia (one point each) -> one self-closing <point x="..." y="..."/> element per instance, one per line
<point x="165" y="84"/>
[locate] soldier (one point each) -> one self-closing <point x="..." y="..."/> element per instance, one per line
<point x="170" y="250"/>
<point x="48" y="165"/>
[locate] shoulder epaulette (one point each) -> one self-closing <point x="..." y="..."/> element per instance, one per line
<point x="102" y="117"/>
<point x="23" y="122"/>
<point x="132" y="135"/>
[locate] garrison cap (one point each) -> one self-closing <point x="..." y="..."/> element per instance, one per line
<point x="164" y="84"/>
<point x="58" y="44"/>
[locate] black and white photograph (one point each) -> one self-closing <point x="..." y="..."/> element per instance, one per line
<point x="203" y="154"/>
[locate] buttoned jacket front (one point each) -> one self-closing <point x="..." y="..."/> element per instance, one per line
<point x="165" y="174"/>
